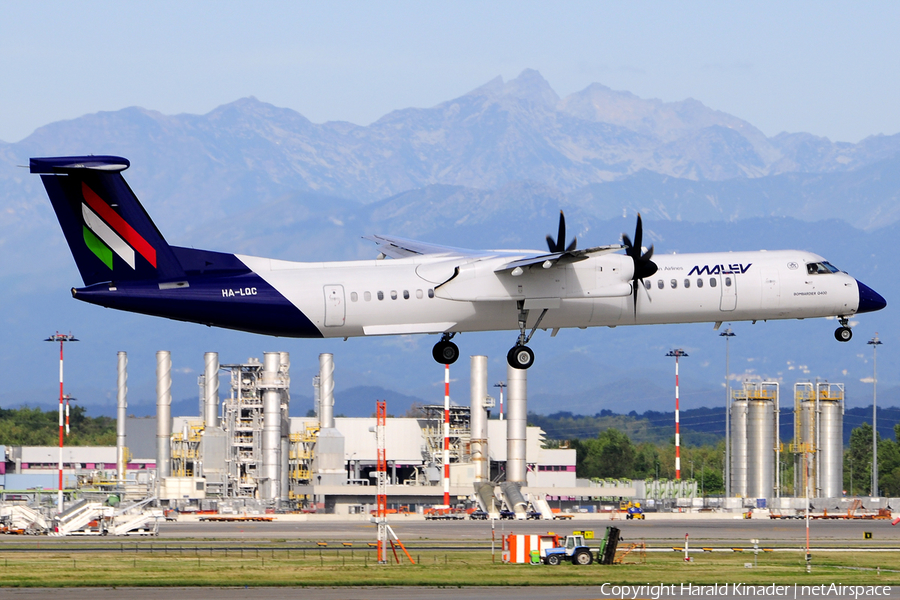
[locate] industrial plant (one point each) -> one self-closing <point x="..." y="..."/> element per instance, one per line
<point x="242" y="454"/>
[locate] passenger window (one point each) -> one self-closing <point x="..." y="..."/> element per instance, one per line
<point x="674" y="284"/>
<point x="419" y="294"/>
<point x="646" y="285"/>
<point x="381" y="295"/>
<point x="687" y="283"/>
<point x="354" y="296"/>
<point x="712" y="282"/>
<point x="393" y="294"/>
<point x="660" y="284"/>
<point x="406" y="294"/>
<point x="728" y="282"/>
<point x="430" y="293"/>
<point x="699" y="282"/>
<point x="367" y="296"/>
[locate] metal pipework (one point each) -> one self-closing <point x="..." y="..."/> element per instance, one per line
<point x="271" y="440"/>
<point x="285" y="359"/>
<point x="326" y="391"/>
<point x="516" y="420"/>
<point x="478" y="419"/>
<point x="211" y="389"/>
<point x="121" y="416"/>
<point x="163" y="414"/>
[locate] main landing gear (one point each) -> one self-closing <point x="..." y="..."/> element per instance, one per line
<point x="843" y="333"/>
<point x="520" y="356"/>
<point x="445" y="352"/>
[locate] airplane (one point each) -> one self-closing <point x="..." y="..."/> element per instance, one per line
<point x="423" y="288"/>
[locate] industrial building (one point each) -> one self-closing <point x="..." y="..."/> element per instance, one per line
<point x="242" y="451"/>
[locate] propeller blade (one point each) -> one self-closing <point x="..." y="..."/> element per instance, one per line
<point x="634" y="289"/>
<point x="643" y="266"/>
<point x="559" y="244"/>
<point x="638" y="233"/>
<point x="561" y="236"/>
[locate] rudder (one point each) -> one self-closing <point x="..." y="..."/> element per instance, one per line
<point x="111" y="236"/>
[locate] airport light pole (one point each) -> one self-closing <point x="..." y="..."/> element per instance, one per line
<point x="501" y="385"/>
<point x="727" y="334"/>
<point x="677" y="354"/>
<point x="874" y="342"/>
<point x="62" y="338"/>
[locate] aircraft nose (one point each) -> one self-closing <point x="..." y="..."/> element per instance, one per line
<point x="869" y="299"/>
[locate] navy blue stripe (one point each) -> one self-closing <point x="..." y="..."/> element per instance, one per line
<point x="244" y="302"/>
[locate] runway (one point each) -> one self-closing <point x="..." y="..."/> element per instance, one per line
<point x="418" y="533"/>
<point x="654" y="531"/>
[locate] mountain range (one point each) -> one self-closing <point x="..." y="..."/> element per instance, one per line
<point x="490" y="168"/>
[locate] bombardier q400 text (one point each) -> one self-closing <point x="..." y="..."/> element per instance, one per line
<point x="425" y="288"/>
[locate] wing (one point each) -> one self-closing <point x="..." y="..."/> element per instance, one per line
<point x="554" y="258"/>
<point x="397" y="247"/>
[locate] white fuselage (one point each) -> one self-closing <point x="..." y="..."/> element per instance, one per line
<point x="448" y="293"/>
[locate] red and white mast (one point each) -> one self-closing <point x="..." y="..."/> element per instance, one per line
<point x="63" y="423"/>
<point x="381" y="478"/>
<point x="447" y="436"/>
<point x="677" y="354"/>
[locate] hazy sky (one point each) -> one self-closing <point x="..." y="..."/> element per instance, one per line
<point x="828" y="68"/>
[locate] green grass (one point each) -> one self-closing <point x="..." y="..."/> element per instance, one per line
<point x="281" y="567"/>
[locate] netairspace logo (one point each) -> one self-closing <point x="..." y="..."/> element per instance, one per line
<point x="657" y="591"/>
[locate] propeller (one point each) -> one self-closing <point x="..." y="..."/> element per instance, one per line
<point x="559" y="244"/>
<point x="643" y="266"/>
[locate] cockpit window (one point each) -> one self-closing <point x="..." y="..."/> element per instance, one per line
<point x="820" y="268"/>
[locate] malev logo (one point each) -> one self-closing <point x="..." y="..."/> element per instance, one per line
<point x="105" y="232"/>
<point x="731" y="269"/>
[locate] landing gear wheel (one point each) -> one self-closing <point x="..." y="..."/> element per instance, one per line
<point x="583" y="558"/>
<point x="445" y="353"/>
<point x="520" y="357"/>
<point x="843" y="334"/>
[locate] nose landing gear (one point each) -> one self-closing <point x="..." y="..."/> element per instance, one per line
<point x="843" y="333"/>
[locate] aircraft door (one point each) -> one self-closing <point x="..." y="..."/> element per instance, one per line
<point x="728" y="283"/>
<point x="335" y="309"/>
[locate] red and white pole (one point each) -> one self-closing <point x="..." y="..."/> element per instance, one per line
<point x="381" y="474"/>
<point x="61" y="338"/>
<point x="677" y="427"/>
<point x="447" y="436"/>
<point x="677" y="354"/>
<point x="59" y="498"/>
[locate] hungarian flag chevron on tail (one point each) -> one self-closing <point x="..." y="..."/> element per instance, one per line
<point x="111" y="236"/>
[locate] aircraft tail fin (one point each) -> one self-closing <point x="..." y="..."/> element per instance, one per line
<point x="111" y="236"/>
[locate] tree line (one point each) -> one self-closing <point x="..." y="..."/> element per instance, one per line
<point x="35" y="427"/>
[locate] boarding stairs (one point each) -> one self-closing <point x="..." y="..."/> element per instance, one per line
<point x="23" y="519"/>
<point x="76" y="518"/>
<point x="539" y="504"/>
<point x="487" y="501"/>
<point x="142" y="523"/>
<point x="136" y="519"/>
